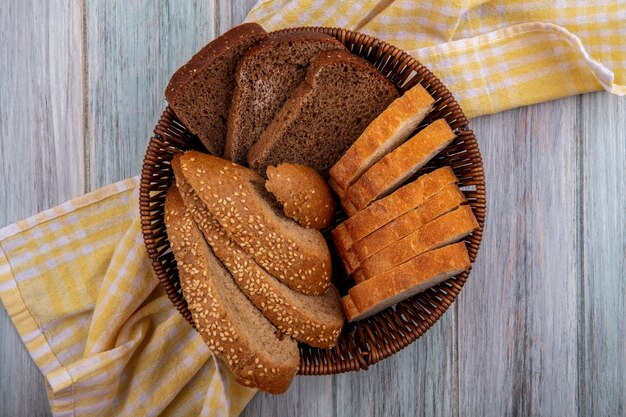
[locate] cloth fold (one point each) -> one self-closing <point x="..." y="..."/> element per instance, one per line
<point x="77" y="282"/>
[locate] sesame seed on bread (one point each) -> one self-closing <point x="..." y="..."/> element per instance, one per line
<point x="313" y="319"/>
<point x="230" y="325"/>
<point x="236" y="198"/>
<point x="303" y="193"/>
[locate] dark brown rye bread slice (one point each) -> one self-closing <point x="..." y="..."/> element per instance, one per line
<point x="266" y="76"/>
<point x="200" y="92"/>
<point x="339" y="97"/>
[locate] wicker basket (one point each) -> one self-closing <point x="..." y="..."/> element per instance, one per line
<point x="363" y="343"/>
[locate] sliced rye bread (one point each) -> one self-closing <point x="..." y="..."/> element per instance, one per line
<point x="383" y="211"/>
<point x="441" y="203"/>
<point x="265" y="78"/>
<point x="200" y="92"/>
<point x="446" y="200"/>
<point x="406" y="280"/>
<point x="235" y="196"/>
<point x="313" y="319"/>
<point x="339" y="97"/>
<point x="384" y="134"/>
<point x="397" y="166"/>
<point x="230" y="325"/>
<point x="449" y="228"/>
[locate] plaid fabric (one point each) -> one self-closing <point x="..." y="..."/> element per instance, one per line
<point x="492" y="55"/>
<point x="76" y="279"/>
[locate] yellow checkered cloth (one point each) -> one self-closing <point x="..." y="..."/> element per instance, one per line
<point x="76" y="279"/>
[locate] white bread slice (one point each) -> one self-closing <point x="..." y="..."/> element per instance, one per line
<point x="312" y="319"/>
<point x="406" y="280"/>
<point x="384" y="134"/>
<point x="236" y="197"/>
<point x="450" y="227"/>
<point x="230" y="325"/>
<point x="396" y="167"/>
<point x="394" y="205"/>
<point x="441" y="203"/>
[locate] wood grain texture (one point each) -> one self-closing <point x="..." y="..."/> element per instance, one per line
<point x="517" y="315"/>
<point x="539" y="328"/>
<point x="41" y="149"/>
<point x="133" y="47"/>
<point x="602" y="313"/>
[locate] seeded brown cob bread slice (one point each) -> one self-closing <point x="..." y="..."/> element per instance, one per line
<point x="449" y="228"/>
<point x="384" y="134"/>
<point x="266" y="76"/>
<point x="339" y="97"/>
<point x="312" y="319"/>
<point x="406" y="280"/>
<point x="386" y="209"/>
<point x="235" y="196"/>
<point x="200" y="92"/>
<point x="231" y="326"/>
<point x="397" y="166"/>
<point x="303" y="193"/>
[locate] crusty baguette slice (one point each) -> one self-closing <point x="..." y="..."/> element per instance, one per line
<point x="340" y="95"/>
<point x="265" y="78"/>
<point x="230" y="325"/>
<point x="312" y="319"/>
<point x="397" y="166"/>
<point x="441" y="203"/>
<point x="383" y="135"/>
<point x="200" y="91"/>
<point x="236" y="197"/>
<point x="449" y="228"/>
<point x="394" y="205"/>
<point x="406" y="280"/>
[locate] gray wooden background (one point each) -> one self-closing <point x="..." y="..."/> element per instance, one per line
<point x="538" y="330"/>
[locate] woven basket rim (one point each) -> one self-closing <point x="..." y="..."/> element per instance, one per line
<point x="366" y="342"/>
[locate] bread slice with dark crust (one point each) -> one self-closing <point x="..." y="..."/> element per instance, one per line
<point x="236" y="197"/>
<point x="266" y="76"/>
<point x="405" y="280"/>
<point x="200" y="91"/>
<point x="230" y="325"/>
<point x="313" y="319"/>
<point x="339" y="97"/>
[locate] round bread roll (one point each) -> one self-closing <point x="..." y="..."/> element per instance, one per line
<point x="303" y="193"/>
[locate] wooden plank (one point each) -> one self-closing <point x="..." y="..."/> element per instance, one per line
<point x="133" y="47"/>
<point x="603" y="213"/>
<point x="41" y="149"/>
<point x="517" y="315"/>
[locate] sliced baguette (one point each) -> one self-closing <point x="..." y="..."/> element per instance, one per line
<point x="384" y="134"/>
<point x="339" y="97"/>
<point x="397" y="166"/>
<point x="394" y="205"/>
<point x="312" y="319"/>
<point x="449" y="228"/>
<point x="230" y="325"/>
<point x="266" y="76"/>
<point x="406" y="280"/>
<point x="200" y="91"/>
<point x="235" y="196"/>
<point x="441" y="203"/>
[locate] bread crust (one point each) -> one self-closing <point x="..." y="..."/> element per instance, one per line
<point x="304" y="194"/>
<point x="408" y="279"/>
<point x="398" y="165"/>
<point x="387" y="131"/>
<point x="297" y="256"/>
<point x="214" y="319"/>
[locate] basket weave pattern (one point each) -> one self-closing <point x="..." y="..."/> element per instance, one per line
<point x="368" y="341"/>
